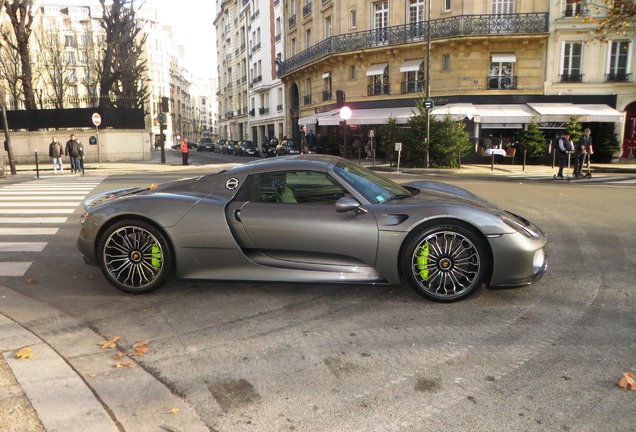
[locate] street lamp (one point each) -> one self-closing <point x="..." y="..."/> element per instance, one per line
<point x="428" y="85"/>
<point x="345" y="114"/>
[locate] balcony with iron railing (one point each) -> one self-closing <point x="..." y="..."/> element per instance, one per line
<point x="263" y="111"/>
<point x="618" y="77"/>
<point x="276" y="3"/>
<point x="378" y="89"/>
<point x="324" y="2"/>
<point x="326" y="95"/>
<point x="255" y="15"/>
<point x="307" y="10"/>
<point x="502" y="82"/>
<point x="257" y="79"/>
<point x="571" y="77"/>
<point x="445" y="28"/>
<point x="307" y="100"/>
<point x="279" y="107"/>
<point x="408" y="87"/>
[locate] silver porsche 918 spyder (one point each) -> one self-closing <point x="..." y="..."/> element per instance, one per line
<point x="309" y="218"/>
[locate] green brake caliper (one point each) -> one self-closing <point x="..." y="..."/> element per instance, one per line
<point x="156" y="256"/>
<point x="422" y="261"/>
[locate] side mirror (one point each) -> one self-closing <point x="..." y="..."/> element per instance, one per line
<point x="346" y="204"/>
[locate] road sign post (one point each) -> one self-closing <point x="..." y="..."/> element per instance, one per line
<point x="97" y="120"/>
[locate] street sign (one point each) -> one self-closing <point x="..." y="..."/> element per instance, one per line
<point x="97" y="119"/>
<point x="429" y="104"/>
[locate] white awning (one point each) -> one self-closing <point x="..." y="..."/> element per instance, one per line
<point x="505" y="114"/>
<point x="503" y="58"/>
<point x="370" y="116"/>
<point x="458" y="111"/>
<point x="314" y="118"/>
<point x="376" y="69"/>
<point x="326" y="75"/>
<point x="411" y="66"/>
<point x="563" y="112"/>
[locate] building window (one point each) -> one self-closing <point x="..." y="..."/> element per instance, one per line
<point x="328" y="30"/>
<point x="353" y="75"/>
<point x="502" y="7"/>
<point x="308" y="91"/>
<point x="619" y="61"/>
<point x="415" y="16"/>
<point x="308" y="38"/>
<point x="571" y="62"/>
<point x="447" y="5"/>
<point x="446" y="62"/>
<point x="572" y="8"/>
<point x="501" y="74"/>
<point x="352" y="19"/>
<point x="381" y="22"/>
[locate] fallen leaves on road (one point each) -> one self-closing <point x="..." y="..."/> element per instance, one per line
<point x="32" y="281"/>
<point x="110" y="343"/>
<point x="627" y="381"/>
<point x="24" y="353"/>
<point x="119" y="355"/>
<point x="125" y="364"/>
<point x="140" y="347"/>
<point x="173" y="411"/>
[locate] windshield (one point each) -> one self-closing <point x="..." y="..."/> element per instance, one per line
<point x="375" y="188"/>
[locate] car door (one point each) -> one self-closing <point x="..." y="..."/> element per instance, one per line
<point x="291" y="216"/>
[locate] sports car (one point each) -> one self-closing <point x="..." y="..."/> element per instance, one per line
<point x="309" y="219"/>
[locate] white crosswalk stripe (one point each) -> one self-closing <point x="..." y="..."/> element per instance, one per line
<point x="32" y="210"/>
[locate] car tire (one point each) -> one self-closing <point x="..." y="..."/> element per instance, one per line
<point x="134" y="256"/>
<point x="445" y="263"/>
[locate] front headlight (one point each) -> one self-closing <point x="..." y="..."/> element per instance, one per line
<point x="83" y="217"/>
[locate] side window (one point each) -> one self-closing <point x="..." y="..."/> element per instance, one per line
<point x="291" y="187"/>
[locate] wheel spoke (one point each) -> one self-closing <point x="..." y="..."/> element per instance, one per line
<point x="133" y="257"/>
<point x="446" y="263"/>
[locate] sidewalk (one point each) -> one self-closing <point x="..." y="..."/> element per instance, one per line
<point x="70" y="383"/>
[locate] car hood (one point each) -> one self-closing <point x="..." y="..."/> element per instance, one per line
<point x="442" y="192"/>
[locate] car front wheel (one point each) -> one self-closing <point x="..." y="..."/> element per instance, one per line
<point x="445" y="263"/>
<point x="134" y="256"/>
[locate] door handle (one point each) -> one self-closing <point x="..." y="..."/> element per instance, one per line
<point x="237" y="214"/>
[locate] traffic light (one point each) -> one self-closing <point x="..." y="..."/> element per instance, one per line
<point x="340" y="98"/>
<point x="165" y="106"/>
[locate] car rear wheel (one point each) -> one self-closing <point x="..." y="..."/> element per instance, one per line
<point x="445" y="263"/>
<point x="134" y="256"/>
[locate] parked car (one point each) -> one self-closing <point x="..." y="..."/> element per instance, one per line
<point x="205" y="144"/>
<point x="218" y="146"/>
<point x="246" y="148"/>
<point x="191" y="145"/>
<point x="287" y="147"/>
<point x="228" y="147"/>
<point x="309" y="218"/>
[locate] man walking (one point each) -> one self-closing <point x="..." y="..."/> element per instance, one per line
<point x="55" y="153"/>
<point x="566" y="148"/>
<point x="583" y="149"/>
<point x="185" y="151"/>
<point x="72" y="150"/>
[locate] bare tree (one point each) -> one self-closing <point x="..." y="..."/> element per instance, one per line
<point x="122" y="70"/>
<point x="613" y="18"/>
<point x="57" y="68"/>
<point x="20" y="13"/>
<point x="10" y="71"/>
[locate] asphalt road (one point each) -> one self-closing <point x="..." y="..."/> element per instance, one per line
<point x="287" y="357"/>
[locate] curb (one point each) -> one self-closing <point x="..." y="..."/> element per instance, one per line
<point x="73" y="384"/>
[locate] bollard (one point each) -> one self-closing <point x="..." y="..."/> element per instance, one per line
<point x="37" y="165"/>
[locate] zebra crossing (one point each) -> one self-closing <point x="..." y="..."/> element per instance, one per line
<point x="32" y="212"/>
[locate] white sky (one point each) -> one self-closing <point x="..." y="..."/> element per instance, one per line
<point x="192" y="22"/>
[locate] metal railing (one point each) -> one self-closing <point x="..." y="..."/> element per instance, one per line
<point x="502" y="82"/>
<point x="412" y="87"/>
<point x="573" y="77"/>
<point x="463" y="25"/>
<point x="378" y="89"/>
<point x="618" y="77"/>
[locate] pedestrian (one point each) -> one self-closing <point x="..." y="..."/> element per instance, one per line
<point x="302" y="139"/>
<point x="311" y="141"/>
<point x="357" y="146"/>
<point x="72" y="150"/>
<point x="56" y="153"/>
<point x="583" y="149"/>
<point x="185" y="151"/>
<point x="566" y="148"/>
